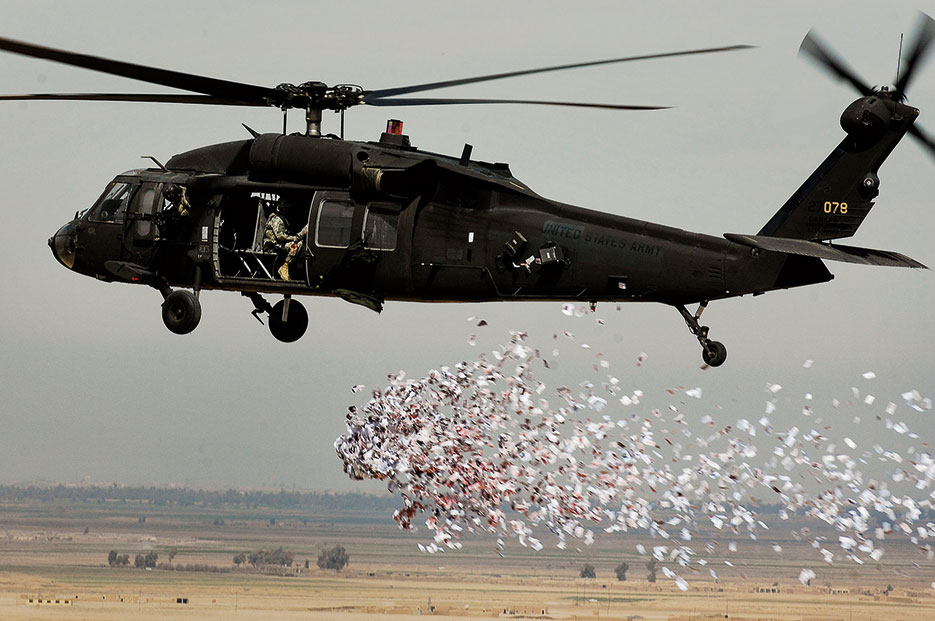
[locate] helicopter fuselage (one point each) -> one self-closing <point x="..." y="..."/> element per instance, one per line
<point x="384" y="221"/>
<point x="375" y="221"/>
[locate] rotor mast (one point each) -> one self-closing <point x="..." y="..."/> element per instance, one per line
<point x="315" y="97"/>
<point x="313" y="121"/>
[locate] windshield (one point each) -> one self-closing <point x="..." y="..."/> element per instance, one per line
<point x="112" y="205"/>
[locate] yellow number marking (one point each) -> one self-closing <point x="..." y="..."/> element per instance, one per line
<point x="835" y="207"/>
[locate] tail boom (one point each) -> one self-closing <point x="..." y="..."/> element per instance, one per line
<point x="835" y="199"/>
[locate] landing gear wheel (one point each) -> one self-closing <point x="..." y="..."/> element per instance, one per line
<point x="714" y="354"/>
<point x="293" y="327"/>
<point x="181" y="311"/>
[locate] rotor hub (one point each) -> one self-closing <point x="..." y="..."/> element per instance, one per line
<point x="319" y="96"/>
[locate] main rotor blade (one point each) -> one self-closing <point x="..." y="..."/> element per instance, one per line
<point x="441" y="101"/>
<point x="925" y="32"/>
<point x="236" y="91"/>
<point x="813" y="47"/>
<point x="371" y="96"/>
<point x="151" y="98"/>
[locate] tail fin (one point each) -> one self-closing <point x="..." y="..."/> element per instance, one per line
<point x="835" y="199"/>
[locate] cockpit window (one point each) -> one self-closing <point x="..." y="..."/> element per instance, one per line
<point x="112" y="206"/>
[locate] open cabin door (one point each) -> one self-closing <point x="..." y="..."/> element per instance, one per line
<point x="244" y="251"/>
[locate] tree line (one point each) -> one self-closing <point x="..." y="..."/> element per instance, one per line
<point x="335" y="558"/>
<point x="587" y="571"/>
<point x="142" y="561"/>
<point x="278" y="557"/>
<point x="323" y="501"/>
<point x="320" y="502"/>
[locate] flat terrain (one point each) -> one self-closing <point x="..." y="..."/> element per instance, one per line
<point x="57" y="551"/>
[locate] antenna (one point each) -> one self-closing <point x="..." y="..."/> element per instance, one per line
<point x="899" y="59"/>
<point x="158" y="163"/>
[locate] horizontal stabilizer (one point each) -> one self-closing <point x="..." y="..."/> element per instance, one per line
<point x="847" y="254"/>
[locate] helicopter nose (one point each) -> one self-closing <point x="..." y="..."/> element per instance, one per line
<point x="63" y="245"/>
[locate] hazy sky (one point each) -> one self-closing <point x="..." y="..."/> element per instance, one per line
<point x="93" y="385"/>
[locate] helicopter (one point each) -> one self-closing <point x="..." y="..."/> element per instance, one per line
<point x="375" y="221"/>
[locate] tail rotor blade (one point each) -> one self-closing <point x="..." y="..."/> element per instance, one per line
<point x="824" y="56"/>
<point x="925" y="33"/>
<point x="926" y="140"/>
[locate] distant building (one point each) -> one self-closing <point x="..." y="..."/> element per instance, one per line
<point x="39" y="601"/>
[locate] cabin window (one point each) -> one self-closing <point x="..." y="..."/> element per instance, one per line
<point x="112" y="206"/>
<point x="333" y="229"/>
<point x="380" y="227"/>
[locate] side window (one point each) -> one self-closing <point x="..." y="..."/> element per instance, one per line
<point x="143" y="205"/>
<point x="333" y="229"/>
<point x="112" y="206"/>
<point x="380" y="226"/>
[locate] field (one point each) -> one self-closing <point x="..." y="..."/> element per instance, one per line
<point x="54" y="565"/>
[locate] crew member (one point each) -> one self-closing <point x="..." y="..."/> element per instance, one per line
<point x="178" y="199"/>
<point x="278" y="239"/>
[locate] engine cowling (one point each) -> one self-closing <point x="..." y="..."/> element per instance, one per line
<point x="368" y="172"/>
<point x="300" y="159"/>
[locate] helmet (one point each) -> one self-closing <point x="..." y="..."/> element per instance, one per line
<point x="172" y="192"/>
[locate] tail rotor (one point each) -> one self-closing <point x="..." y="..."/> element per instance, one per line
<point x="918" y="49"/>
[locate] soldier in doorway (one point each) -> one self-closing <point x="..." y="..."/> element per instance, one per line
<point x="278" y="239"/>
<point x="178" y="199"/>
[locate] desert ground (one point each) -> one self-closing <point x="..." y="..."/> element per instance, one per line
<point x="54" y="565"/>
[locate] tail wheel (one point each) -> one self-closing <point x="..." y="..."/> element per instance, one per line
<point x="714" y="354"/>
<point x="181" y="311"/>
<point x="293" y="327"/>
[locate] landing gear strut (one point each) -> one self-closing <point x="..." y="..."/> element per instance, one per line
<point x="288" y="319"/>
<point x="712" y="352"/>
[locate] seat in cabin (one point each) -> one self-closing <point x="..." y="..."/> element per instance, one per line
<point x="258" y="262"/>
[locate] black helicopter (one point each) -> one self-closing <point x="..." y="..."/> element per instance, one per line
<point x="309" y="214"/>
